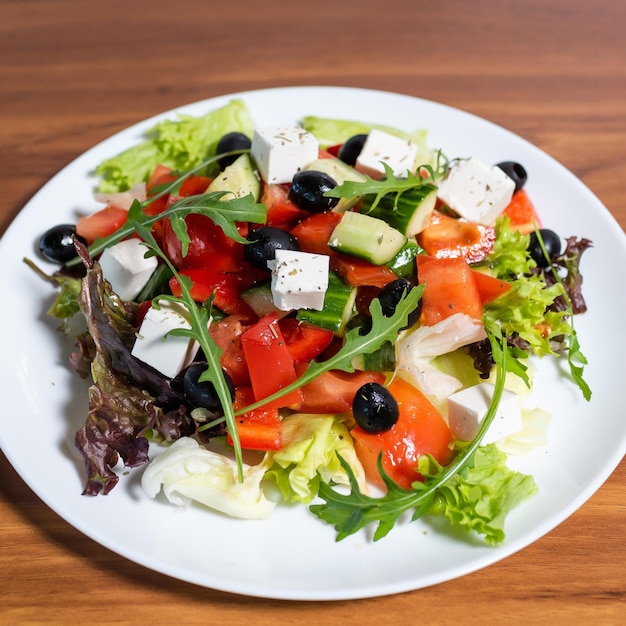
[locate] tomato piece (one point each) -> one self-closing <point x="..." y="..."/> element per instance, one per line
<point x="161" y="175"/>
<point x="449" y="288"/>
<point x="359" y="272"/>
<point x="304" y="341"/>
<point x="227" y="289"/>
<point x="259" y="429"/>
<point x="333" y="391"/>
<point x="314" y="232"/>
<point x="447" y="236"/>
<point x="227" y="334"/>
<point x="208" y="246"/>
<point x="102" y="223"/>
<point x="194" y="185"/>
<point x="270" y="365"/>
<point x="521" y="213"/>
<point x="281" y="211"/>
<point x="334" y="150"/>
<point x="489" y="287"/>
<point x="420" y="430"/>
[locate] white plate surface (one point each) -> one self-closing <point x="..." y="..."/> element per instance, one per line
<point x="294" y="555"/>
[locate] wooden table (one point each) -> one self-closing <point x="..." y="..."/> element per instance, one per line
<point x="72" y="73"/>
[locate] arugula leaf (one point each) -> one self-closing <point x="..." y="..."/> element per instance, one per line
<point x="389" y="184"/>
<point x="383" y="329"/>
<point x="199" y="320"/>
<point x="353" y="511"/>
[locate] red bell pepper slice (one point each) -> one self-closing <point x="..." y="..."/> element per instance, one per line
<point x="270" y="365"/>
<point x="226" y="287"/>
<point x="304" y="341"/>
<point x="314" y="232"/>
<point x="359" y="272"/>
<point x="258" y="429"/>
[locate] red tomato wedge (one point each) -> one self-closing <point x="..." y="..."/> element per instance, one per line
<point x="258" y="429"/>
<point x="161" y="175"/>
<point x="360" y="273"/>
<point x="304" y="341"/>
<point x="333" y="391"/>
<point x="420" y="430"/>
<point x="449" y="288"/>
<point x="270" y="365"/>
<point x="281" y="211"/>
<point x="314" y="232"/>
<point x="447" y="236"/>
<point x="489" y="287"/>
<point x="227" y="334"/>
<point x="194" y="185"/>
<point x="227" y="289"/>
<point x="521" y="213"/>
<point x="102" y="223"/>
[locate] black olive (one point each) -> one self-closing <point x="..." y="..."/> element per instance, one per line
<point x="264" y="242"/>
<point x="375" y="409"/>
<point x="308" y="188"/>
<point x="350" y="150"/>
<point x="229" y="143"/>
<point x="57" y="245"/>
<point x="551" y="242"/>
<point x="515" y="171"/>
<point x="391" y="294"/>
<point x="202" y="393"/>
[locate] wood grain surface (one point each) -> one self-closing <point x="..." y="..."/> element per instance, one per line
<point x="74" y="72"/>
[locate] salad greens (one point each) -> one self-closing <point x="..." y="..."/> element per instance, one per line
<point x="131" y="403"/>
<point x="179" y="144"/>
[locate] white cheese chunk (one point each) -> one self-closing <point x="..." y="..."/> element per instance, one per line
<point x="126" y="268"/>
<point x="380" y="147"/>
<point x="299" y="280"/>
<point x="281" y="151"/>
<point x="168" y="354"/>
<point x="477" y="191"/>
<point x="467" y="409"/>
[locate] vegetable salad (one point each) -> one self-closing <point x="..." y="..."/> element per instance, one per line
<point x="328" y="321"/>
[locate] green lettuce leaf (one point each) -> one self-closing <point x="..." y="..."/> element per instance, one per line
<point x="310" y="456"/>
<point x="479" y="497"/>
<point x="180" y="144"/>
<point x="332" y="132"/>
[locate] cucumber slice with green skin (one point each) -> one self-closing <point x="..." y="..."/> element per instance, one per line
<point x="403" y="264"/>
<point x="338" y="307"/>
<point x="259" y="299"/>
<point x="410" y="214"/>
<point x="340" y="172"/>
<point x="382" y="360"/>
<point x="240" y="178"/>
<point x="366" y="237"/>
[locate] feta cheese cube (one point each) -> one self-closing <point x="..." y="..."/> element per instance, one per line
<point x="168" y="354"/>
<point x="477" y="191"/>
<point x="299" y="280"/>
<point x="399" y="154"/>
<point x="467" y="409"/>
<point x="281" y="151"/>
<point x="126" y="268"/>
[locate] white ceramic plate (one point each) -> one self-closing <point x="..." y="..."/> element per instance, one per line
<point x="294" y="555"/>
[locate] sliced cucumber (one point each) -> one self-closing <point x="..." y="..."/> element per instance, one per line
<point x="410" y="214"/>
<point x="259" y="299"/>
<point x="403" y="264"/>
<point x="340" y="172"/>
<point x="338" y="306"/>
<point x="239" y="177"/>
<point x="366" y="237"/>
